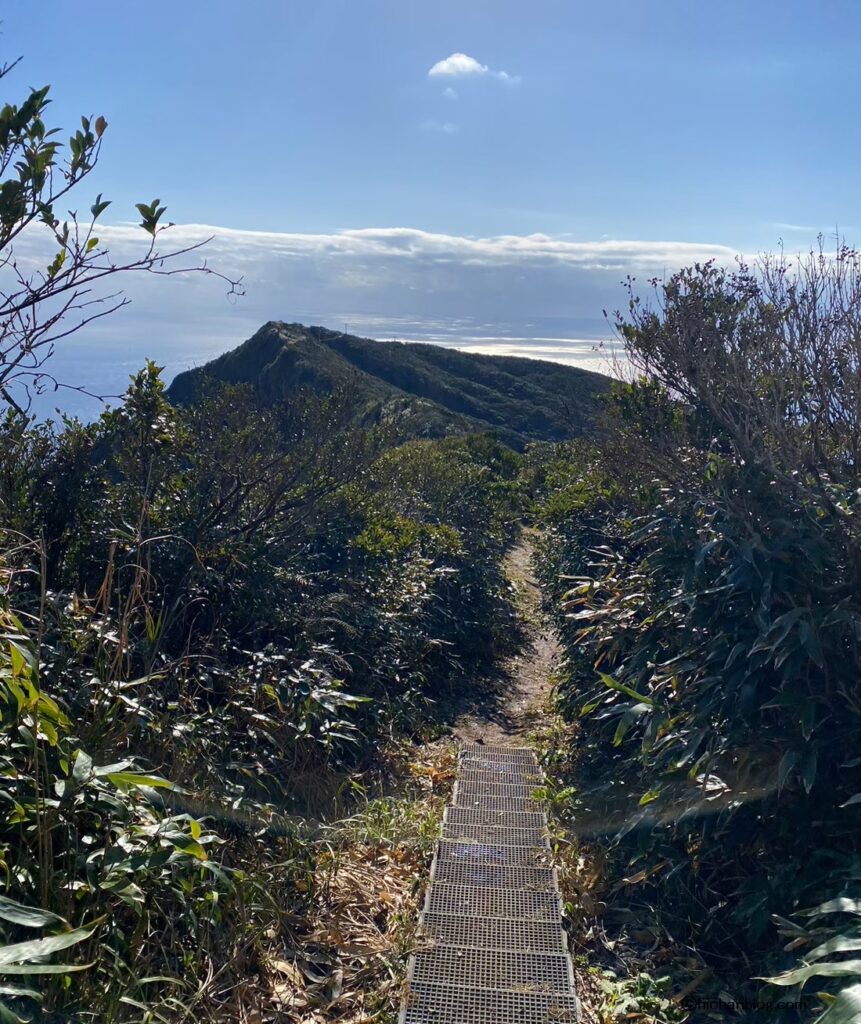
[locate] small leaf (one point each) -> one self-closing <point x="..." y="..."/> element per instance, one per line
<point x="122" y="780"/>
<point x="43" y="968"/>
<point x="846" y="1008"/>
<point x="19" y="952"/>
<point x="99" y="206"/>
<point x="622" y="688"/>
<point x="57" y="264"/>
<point x="187" y="845"/>
<point x="839" y="944"/>
<point x="28" y="917"/>
<point x="18" y="992"/>
<point x="840" y="905"/>
<point x="843" y="969"/>
<point x="289" y="970"/>
<point x="17" y="659"/>
<point x="83" y="767"/>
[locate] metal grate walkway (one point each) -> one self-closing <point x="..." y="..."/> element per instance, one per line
<point x="492" y="949"/>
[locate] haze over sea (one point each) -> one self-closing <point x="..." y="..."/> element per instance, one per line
<point x="535" y="295"/>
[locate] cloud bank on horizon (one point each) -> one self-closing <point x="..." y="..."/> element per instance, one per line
<point x="532" y="295"/>
<point x="415" y="244"/>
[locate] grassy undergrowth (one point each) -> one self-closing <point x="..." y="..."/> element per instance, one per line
<point x="210" y="643"/>
<point x="624" y="971"/>
<point x="347" y="956"/>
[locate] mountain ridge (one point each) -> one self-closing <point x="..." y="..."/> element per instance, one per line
<point x="428" y="389"/>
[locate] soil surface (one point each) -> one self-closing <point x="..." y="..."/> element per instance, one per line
<point x="515" y="702"/>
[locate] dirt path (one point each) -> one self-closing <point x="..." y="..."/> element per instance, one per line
<point x="516" y="701"/>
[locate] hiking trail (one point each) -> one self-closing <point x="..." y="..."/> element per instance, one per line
<point x="514" y="702"/>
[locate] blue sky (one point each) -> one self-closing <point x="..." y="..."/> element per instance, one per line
<point x="695" y="125"/>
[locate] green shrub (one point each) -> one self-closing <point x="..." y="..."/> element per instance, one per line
<point x="705" y="563"/>
<point x="227" y="613"/>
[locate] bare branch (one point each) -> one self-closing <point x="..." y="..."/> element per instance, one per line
<point x="45" y="306"/>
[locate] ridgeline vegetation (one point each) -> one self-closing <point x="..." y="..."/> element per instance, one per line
<point x="419" y="390"/>
<point x="702" y="564"/>
<point x="232" y="611"/>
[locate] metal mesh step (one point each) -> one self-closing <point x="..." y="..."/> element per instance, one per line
<point x="466" y="798"/>
<point x="485" y="901"/>
<point x="482" y="787"/>
<point x="498" y="836"/>
<point x="494" y="933"/>
<point x="493" y="968"/>
<point x="502" y="753"/>
<point x="494" y="819"/>
<point x="531" y="778"/>
<point x="469" y="852"/>
<point x="496" y="876"/>
<point x="492" y="949"/>
<point x="448" y="1004"/>
<point x="504" y="771"/>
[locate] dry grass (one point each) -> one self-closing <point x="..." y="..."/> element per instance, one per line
<point x="348" y="958"/>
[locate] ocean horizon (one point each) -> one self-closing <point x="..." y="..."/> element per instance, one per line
<point x="93" y="367"/>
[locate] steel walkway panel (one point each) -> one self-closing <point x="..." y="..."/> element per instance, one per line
<point x="449" y="1004"/>
<point x="491" y="946"/>
<point x="492" y="834"/>
<point x="485" y="901"/>
<point x="479" y="815"/>
<point x="493" y="968"/>
<point x="494" y="932"/>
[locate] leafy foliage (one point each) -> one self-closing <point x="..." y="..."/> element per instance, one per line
<point x="643" y="998"/>
<point x="705" y="563"/>
<point x="229" y="610"/>
<point x="835" y="954"/>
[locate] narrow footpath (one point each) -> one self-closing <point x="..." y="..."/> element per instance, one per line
<point x="516" y="701"/>
<point x="492" y="949"/>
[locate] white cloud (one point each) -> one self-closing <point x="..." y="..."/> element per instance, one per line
<point x="805" y="229"/>
<point x="389" y="261"/>
<point x="457" y="65"/>
<point x="461" y="65"/>
<point x="449" y="93"/>
<point x="405" y="243"/>
<point x="446" y="127"/>
<point x="536" y="294"/>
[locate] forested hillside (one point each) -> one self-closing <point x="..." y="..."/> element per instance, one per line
<point x="419" y="390"/>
